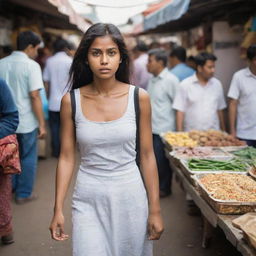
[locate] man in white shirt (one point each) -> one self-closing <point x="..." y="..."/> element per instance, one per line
<point x="242" y="104"/>
<point x="162" y="89"/>
<point x="141" y="75"/>
<point x="24" y="78"/>
<point x="55" y="75"/>
<point x="200" y="99"/>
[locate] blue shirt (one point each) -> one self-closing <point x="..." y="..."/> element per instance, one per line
<point x="23" y="75"/>
<point x="9" y="117"/>
<point x="182" y="71"/>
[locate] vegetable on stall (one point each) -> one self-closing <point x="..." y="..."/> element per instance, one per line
<point x="209" y="164"/>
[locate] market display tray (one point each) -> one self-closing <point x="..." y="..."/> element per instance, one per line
<point x="222" y="206"/>
<point x="217" y="154"/>
<point x="190" y="173"/>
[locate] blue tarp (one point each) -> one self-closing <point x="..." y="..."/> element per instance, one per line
<point x="172" y="11"/>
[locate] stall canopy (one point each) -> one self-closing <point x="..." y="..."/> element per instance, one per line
<point x="169" y="12"/>
<point x="198" y="12"/>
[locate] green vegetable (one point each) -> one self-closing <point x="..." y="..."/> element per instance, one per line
<point x="208" y="164"/>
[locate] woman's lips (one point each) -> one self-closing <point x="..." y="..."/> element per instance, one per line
<point x="105" y="70"/>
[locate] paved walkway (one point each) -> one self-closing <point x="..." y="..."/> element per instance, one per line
<point x="182" y="236"/>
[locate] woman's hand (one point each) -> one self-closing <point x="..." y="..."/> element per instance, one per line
<point x="57" y="227"/>
<point x="155" y="226"/>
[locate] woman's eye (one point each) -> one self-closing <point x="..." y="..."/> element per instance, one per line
<point x="112" y="53"/>
<point x="95" y="53"/>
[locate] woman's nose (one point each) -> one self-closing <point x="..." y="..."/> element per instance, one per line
<point x="104" y="59"/>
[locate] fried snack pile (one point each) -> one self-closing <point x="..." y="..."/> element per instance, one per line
<point x="230" y="187"/>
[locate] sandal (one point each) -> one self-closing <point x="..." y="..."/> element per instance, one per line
<point x="8" y="239"/>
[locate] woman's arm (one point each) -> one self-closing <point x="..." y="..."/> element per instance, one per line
<point x="65" y="167"/>
<point x="149" y="168"/>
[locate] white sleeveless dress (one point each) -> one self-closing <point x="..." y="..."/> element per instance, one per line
<point x="110" y="206"/>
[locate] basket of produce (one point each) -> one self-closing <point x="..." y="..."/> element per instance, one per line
<point x="214" y="138"/>
<point x="177" y="139"/>
<point x="228" y="193"/>
<point x="201" y="152"/>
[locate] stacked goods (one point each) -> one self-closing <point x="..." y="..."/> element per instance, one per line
<point x="215" y="165"/>
<point x="230" y="187"/>
<point x="180" y="139"/>
<point x="214" y="138"/>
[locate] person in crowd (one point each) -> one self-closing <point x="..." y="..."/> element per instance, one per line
<point x="111" y="205"/>
<point x="200" y="99"/>
<point x="199" y="104"/>
<point x="177" y="60"/>
<point x="191" y="62"/>
<point x="55" y="76"/>
<point x="9" y="120"/>
<point x="24" y="77"/>
<point x="242" y="104"/>
<point x="140" y="74"/>
<point x="162" y="89"/>
<point x="71" y="49"/>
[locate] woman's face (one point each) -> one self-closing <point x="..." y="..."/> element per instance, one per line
<point x="104" y="57"/>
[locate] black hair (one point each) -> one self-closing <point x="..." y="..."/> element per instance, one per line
<point x="191" y="58"/>
<point x="141" y="46"/>
<point x="160" y="55"/>
<point x="26" y="38"/>
<point x="71" y="46"/>
<point x="80" y="73"/>
<point x="251" y="52"/>
<point x="202" y="58"/>
<point x="180" y="53"/>
<point x="60" y="45"/>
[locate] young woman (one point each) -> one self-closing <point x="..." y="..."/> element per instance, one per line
<point x="114" y="212"/>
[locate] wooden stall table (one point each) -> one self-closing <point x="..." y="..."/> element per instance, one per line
<point x="211" y="219"/>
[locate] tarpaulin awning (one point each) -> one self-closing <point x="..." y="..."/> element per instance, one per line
<point x="65" y="7"/>
<point x="172" y="11"/>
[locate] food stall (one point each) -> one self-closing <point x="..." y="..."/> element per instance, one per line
<point x="218" y="172"/>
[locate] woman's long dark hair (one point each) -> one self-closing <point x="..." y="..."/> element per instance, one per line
<point x="80" y="73"/>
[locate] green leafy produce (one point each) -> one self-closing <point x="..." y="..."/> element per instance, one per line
<point x="248" y="154"/>
<point x="216" y="165"/>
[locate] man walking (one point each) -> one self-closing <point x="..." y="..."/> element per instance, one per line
<point x="55" y="76"/>
<point x="162" y="89"/>
<point x="24" y="77"/>
<point x="242" y="104"/>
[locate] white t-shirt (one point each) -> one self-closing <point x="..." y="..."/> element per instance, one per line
<point x="162" y="90"/>
<point x="200" y="103"/>
<point x="243" y="89"/>
<point x="23" y="75"/>
<point x="56" y="72"/>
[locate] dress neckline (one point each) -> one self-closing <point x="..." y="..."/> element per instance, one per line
<point x="110" y="121"/>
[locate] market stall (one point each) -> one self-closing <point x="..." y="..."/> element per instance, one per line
<point x="219" y="177"/>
